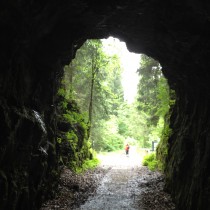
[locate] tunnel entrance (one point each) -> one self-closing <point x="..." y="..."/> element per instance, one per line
<point x="92" y="82"/>
<point x="97" y="82"/>
<point x="39" y="38"/>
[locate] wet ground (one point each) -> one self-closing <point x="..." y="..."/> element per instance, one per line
<point x="121" y="182"/>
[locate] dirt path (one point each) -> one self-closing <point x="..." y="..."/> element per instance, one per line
<point x="121" y="182"/>
<point x="119" y="188"/>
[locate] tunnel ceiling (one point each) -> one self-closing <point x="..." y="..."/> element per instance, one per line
<point x="39" y="37"/>
<point x="172" y="32"/>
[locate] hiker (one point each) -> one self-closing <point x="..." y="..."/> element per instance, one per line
<point x="127" y="149"/>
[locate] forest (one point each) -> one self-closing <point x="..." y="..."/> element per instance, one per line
<point x="93" y="82"/>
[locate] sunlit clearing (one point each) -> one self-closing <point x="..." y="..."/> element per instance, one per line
<point x="130" y="63"/>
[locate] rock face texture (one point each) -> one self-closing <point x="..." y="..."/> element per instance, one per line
<point x="39" y="37"/>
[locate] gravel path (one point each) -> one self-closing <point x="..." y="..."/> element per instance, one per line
<point x="118" y="189"/>
<point x="119" y="183"/>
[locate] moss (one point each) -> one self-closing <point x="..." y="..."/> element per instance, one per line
<point x="61" y="92"/>
<point x="162" y="148"/>
<point x="74" y="147"/>
<point x="59" y="140"/>
<point x="72" y="137"/>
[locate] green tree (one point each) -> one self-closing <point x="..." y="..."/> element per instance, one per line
<point x="153" y="96"/>
<point x="132" y="123"/>
<point x="150" y="74"/>
<point x="94" y="80"/>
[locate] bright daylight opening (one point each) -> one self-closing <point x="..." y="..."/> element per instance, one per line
<point x="129" y="62"/>
<point x="114" y="106"/>
<point x="118" y="96"/>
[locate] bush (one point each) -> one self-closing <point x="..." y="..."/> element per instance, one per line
<point x="88" y="164"/>
<point x="150" y="161"/>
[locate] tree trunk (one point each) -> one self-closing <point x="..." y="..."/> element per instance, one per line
<point x="93" y="72"/>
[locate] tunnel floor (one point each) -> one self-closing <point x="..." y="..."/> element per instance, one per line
<point x="121" y="182"/>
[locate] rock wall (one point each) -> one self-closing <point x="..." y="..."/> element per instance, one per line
<point x="39" y="37"/>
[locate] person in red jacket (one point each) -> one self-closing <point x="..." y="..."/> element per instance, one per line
<point x="127" y="147"/>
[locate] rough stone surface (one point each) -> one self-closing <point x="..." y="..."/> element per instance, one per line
<point x="38" y="37"/>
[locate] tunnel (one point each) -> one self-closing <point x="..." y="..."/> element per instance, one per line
<point x="39" y="37"/>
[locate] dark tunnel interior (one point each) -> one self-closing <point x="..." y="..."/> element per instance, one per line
<point x="39" y="37"/>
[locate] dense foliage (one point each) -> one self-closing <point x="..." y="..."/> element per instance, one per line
<point x="93" y="79"/>
<point x="150" y="161"/>
<point x="156" y="100"/>
<point x="72" y="143"/>
<point x="153" y="98"/>
<point x="92" y="82"/>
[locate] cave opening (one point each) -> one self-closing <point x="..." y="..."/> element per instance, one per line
<point x="92" y="82"/>
<point x="39" y="38"/>
<point x="103" y="80"/>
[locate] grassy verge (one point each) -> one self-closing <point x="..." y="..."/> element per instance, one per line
<point x="88" y="165"/>
<point x="150" y="161"/>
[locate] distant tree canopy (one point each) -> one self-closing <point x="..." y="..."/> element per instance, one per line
<point x="153" y="96"/>
<point x="93" y="80"/>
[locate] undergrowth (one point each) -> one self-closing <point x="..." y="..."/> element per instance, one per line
<point x="88" y="165"/>
<point x="150" y="161"/>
